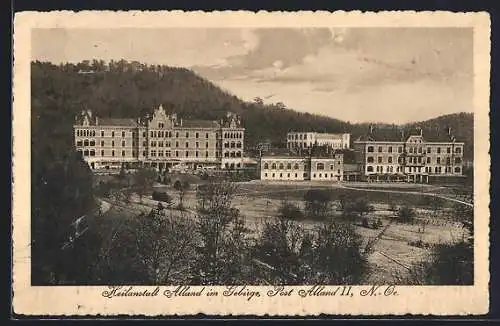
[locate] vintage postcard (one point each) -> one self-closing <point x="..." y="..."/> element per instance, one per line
<point x="239" y="163"/>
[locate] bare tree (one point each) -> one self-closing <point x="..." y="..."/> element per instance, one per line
<point x="144" y="179"/>
<point x="165" y="246"/>
<point x="222" y="232"/>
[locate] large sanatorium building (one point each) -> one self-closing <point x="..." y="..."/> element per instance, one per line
<point x="159" y="140"/>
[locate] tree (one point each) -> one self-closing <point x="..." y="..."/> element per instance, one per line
<point x="223" y="248"/>
<point x="258" y="101"/>
<point x="317" y="203"/>
<point x="144" y="179"/>
<point x="405" y="214"/>
<point x="164" y="246"/>
<point x="181" y="188"/>
<point x="290" y="211"/>
<point x="332" y="253"/>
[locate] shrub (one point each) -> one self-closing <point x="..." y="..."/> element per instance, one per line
<point x="290" y="211"/>
<point x="161" y="196"/>
<point x="365" y="223"/>
<point x="406" y="214"/>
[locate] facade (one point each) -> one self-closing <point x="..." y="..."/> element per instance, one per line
<point x="297" y="168"/>
<point x="159" y="140"/>
<point x="412" y="158"/>
<point x="301" y="140"/>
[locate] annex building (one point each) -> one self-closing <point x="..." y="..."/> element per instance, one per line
<point x="159" y="140"/>
<point x="315" y="168"/>
<point x="303" y="140"/>
<point x="394" y="156"/>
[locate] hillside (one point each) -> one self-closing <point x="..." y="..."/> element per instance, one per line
<point x="124" y="89"/>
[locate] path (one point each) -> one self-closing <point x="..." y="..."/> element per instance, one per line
<point x="410" y="193"/>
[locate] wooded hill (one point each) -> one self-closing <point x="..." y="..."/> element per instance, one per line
<point x="131" y="89"/>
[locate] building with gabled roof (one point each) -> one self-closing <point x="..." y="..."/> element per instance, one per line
<point x="159" y="140"/>
<point x="393" y="154"/>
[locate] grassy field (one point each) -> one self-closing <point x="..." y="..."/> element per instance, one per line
<point x="260" y="201"/>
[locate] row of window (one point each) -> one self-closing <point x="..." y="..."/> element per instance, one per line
<point x="298" y="136"/>
<point x="232" y="145"/>
<point x="413" y="150"/>
<point x="304" y="175"/>
<point x="154" y="153"/>
<point x="91" y="133"/>
<point x="413" y="160"/>
<point x="168" y="134"/>
<point x="281" y="166"/>
<point x="92" y="143"/>
<point x="415" y="169"/>
<point x="237" y="135"/>
<point x="93" y="153"/>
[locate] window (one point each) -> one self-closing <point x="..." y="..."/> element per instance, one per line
<point x="160" y="144"/>
<point x="102" y="153"/>
<point x="123" y="143"/>
<point x="438" y="160"/>
<point x="143" y="153"/>
<point x="86" y="142"/>
<point x="238" y="145"/>
<point x="428" y="150"/>
<point x="112" y="134"/>
<point x="153" y="143"/>
<point x="289" y="166"/>
<point x="102" y="133"/>
<point x="320" y="166"/>
<point x="458" y="150"/>
<point x="102" y="143"/>
<point x="187" y="144"/>
<point x="160" y="125"/>
<point x="448" y="150"/>
<point x="187" y="154"/>
<point x="265" y="174"/>
<point x="281" y="166"/>
<point x="296" y="166"/>
<point x="123" y="153"/>
<point x="79" y="143"/>
<point x="197" y="135"/>
<point x="419" y="160"/>
<point x="389" y="149"/>
<point x="206" y="145"/>
<point x="206" y="154"/>
<point x="379" y="159"/>
<point x="438" y="150"/>
<point x="176" y="135"/>
<point x="197" y="145"/>
<point x="389" y="159"/>
<point x="187" y="134"/>
<point x="123" y="133"/>
<point x="331" y="166"/>
<point x="369" y="168"/>
<point x="112" y="153"/>
<point x="369" y="159"/>
<point x="176" y="144"/>
<point x="206" y="135"/>
<point x="457" y="170"/>
<point x="86" y="152"/>
<point x="160" y="153"/>
<point x="380" y="149"/>
<point x="226" y="154"/>
<point x="400" y="149"/>
<point x="92" y="152"/>
<point x="273" y="166"/>
<point x="448" y="161"/>
<point x="153" y="153"/>
<point x="176" y="153"/>
<point x="232" y="144"/>
<point x="197" y="153"/>
<point x="458" y="160"/>
<point x="370" y="149"/>
<point x="428" y="160"/>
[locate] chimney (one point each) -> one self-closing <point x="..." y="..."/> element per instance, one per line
<point x="96" y="120"/>
<point x="449" y="130"/>
<point x="421" y="132"/>
<point x="180" y="121"/>
<point x="371" y="129"/>
<point x="89" y="112"/>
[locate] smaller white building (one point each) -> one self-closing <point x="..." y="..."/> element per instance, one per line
<point x="297" y="140"/>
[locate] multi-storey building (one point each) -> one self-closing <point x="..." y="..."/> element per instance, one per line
<point x="159" y="140"/>
<point x="409" y="158"/>
<point x="301" y="140"/>
<point x="302" y="168"/>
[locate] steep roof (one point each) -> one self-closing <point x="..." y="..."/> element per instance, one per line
<point x="199" y="124"/>
<point x="122" y="122"/>
<point x="401" y="135"/>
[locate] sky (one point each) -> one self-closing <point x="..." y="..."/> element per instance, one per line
<point x="393" y="75"/>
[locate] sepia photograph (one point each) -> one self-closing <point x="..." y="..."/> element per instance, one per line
<point x="248" y="156"/>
